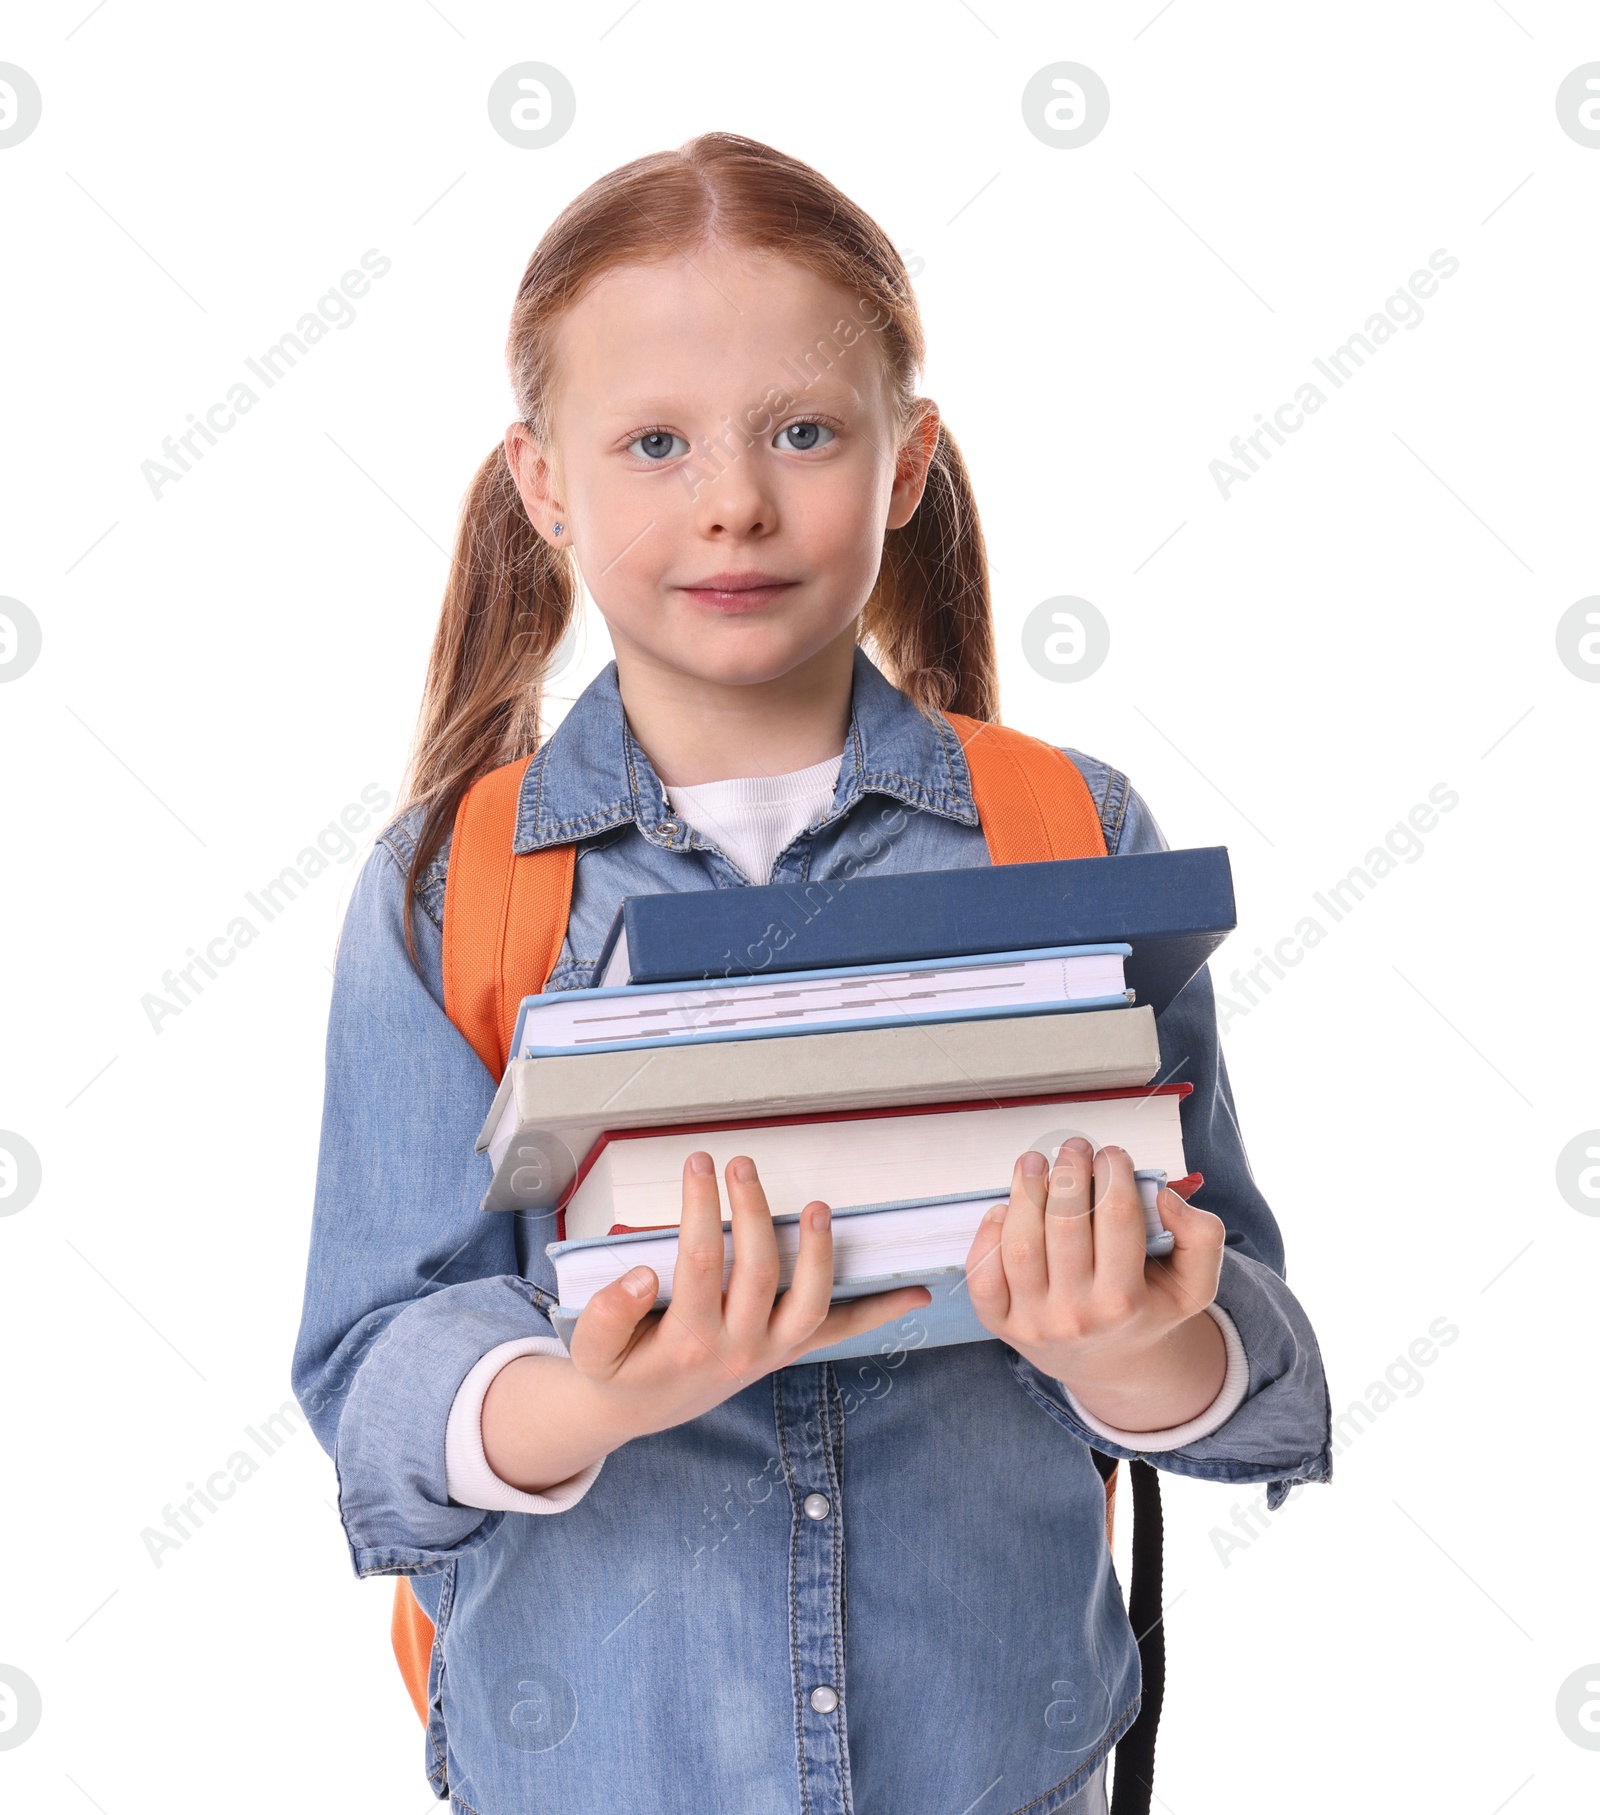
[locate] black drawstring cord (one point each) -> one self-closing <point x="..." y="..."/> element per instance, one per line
<point x="1134" y="1777"/>
<point x="1136" y="1750"/>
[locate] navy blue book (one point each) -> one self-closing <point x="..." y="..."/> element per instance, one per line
<point x="1173" y="907"/>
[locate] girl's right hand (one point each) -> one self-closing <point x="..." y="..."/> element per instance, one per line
<point x="661" y="1368"/>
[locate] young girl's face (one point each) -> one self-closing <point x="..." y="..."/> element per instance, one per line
<point x="725" y="484"/>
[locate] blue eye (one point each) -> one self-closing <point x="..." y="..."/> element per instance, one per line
<point x="807" y="435"/>
<point x="658" y="445"/>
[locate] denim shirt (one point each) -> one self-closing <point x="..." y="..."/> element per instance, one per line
<point x="922" y="1531"/>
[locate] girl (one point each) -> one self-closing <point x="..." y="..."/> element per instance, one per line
<point x="682" y="1569"/>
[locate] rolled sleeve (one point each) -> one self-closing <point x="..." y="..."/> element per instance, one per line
<point x="1279" y="1432"/>
<point x="390" y="1451"/>
<point x="468" y="1476"/>
<point x="1230" y="1396"/>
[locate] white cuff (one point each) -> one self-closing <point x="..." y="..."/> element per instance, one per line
<point x="1235" y="1384"/>
<point x="469" y="1480"/>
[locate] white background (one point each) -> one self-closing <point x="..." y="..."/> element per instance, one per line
<point x="226" y="667"/>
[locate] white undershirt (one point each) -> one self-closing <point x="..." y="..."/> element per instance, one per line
<point x="750" y="820"/>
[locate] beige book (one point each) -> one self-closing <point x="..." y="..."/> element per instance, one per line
<point x="549" y="1112"/>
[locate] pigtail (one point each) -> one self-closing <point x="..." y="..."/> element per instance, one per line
<point x="928" y="617"/>
<point x="507" y="605"/>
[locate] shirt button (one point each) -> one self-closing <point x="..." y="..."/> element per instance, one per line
<point x="668" y="826"/>
<point x="824" y="1700"/>
<point x="816" y="1506"/>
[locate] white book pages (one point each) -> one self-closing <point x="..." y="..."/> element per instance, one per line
<point x="616" y="971"/>
<point x="913" y="1239"/>
<point x="638" y="1179"/>
<point x="580" y="1020"/>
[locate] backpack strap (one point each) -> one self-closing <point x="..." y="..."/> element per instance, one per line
<point x="1031" y="797"/>
<point x="505" y="916"/>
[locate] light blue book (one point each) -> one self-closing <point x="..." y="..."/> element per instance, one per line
<point x="1041" y="980"/>
<point x="947" y="1318"/>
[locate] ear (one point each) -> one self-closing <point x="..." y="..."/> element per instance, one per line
<point x="912" y="463"/>
<point x="536" y="483"/>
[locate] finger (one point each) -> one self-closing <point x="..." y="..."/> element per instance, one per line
<point x="852" y="1316"/>
<point x="697" y="1272"/>
<point x="802" y="1308"/>
<point x="986" y="1282"/>
<point x="1022" y="1233"/>
<point x="1118" y="1225"/>
<point x="1191" y="1271"/>
<point x="1068" y="1230"/>
<point x="610" y="1323"/>
<point x="753" y="1279"/>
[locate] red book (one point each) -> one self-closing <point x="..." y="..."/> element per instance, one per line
<point x="631" y="1179"/>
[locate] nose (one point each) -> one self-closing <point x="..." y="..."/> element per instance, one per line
<point x="730" y="499"/>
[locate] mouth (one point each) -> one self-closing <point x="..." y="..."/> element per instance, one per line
<point x="747" y="591"/>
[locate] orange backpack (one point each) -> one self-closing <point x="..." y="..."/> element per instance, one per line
<point x="505" y="918"/>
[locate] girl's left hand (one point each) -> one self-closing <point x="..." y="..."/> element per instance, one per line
<point x="1076" y="1295"/>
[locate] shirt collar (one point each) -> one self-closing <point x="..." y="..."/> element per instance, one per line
<point x="591" y="774"/>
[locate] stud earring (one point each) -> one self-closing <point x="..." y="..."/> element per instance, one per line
<point x="558" y="529"/>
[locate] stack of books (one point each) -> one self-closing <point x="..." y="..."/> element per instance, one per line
<point x="889" y="1045"/>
